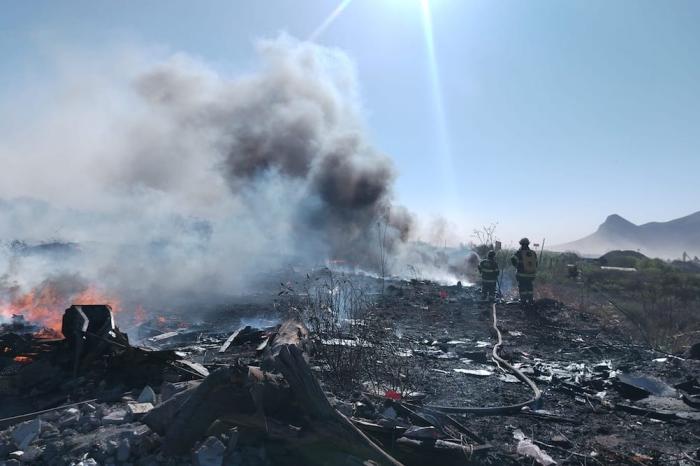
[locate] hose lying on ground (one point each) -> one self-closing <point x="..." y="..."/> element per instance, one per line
<point x="508" y="409"/>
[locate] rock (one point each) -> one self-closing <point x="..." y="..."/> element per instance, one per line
<point x="5" y="447"/>
<point x="123" y="450"/>
<point x="26" y="432"/>
<point x="168" y="389"/>
<point x="210" y="453"/>
<point x="11" y="462"/>
<point x="694" y="351"/>
<point x="111" y="394"/>
<point x="117" y="416"/>
<point x="54" y="449"/>
<point x="145" y="446"/>
<point x="48" y="430"/>
<point x="233" y="436"/>
<point x="218" y="429"/>
<point x="69" y="420"/>
<point x="32" y="454"/>
<point x="158" y="418"/>
<point x="150" y="460"/>
<point x="608" y="441"/>
<point x="138" y="410"/>
<point x="560" y="441"/>
<point x="147" y="396"/>
<point x="139" y="433"/>
<point x="389" y="413"/>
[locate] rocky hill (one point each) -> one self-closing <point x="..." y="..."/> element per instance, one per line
<point x="657" y="239"/>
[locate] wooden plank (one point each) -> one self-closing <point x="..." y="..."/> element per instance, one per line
<point x="230" y="339"/>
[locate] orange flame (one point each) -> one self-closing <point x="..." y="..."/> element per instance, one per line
<point x="22" y="359"/>
<point x="44" y="305"/>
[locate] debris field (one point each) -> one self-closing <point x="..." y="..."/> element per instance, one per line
<point x="246" y="386"/>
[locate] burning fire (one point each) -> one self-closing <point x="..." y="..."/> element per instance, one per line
<point x="45" y="304"/>
<point x="23" y="359"/>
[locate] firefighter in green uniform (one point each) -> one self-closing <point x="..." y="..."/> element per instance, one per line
<point x="525" y="262"/>
<point x="488" y="268"/>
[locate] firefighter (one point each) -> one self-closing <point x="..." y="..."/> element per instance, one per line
<point x="525" y="262"/>
<point x="488" y="268"/>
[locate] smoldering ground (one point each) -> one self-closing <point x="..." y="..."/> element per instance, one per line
<point x="172" y="176"/>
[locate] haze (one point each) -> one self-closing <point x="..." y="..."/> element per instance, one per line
<point x="554" y="114"/>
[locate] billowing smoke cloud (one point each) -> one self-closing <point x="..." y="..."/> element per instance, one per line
<point x="172" y="176"/>
<point x="296" y="123"/>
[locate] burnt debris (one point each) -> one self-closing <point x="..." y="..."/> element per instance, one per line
<point x="225" y="392"/>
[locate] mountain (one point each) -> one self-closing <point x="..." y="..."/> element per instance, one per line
<point x="656" y="239"/>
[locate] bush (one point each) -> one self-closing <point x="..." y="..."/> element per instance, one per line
<point x="663" y="304"/>
<point x="353" y="344"/>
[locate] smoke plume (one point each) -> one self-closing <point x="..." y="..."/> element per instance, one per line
<point x="169" y="175"/>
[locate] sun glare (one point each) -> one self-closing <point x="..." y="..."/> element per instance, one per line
<point x="329" y="20"/>
<point x="443" y="152"/>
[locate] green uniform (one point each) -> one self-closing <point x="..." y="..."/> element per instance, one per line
<point x="525" y="262"/>
<point x="488" y="268"/>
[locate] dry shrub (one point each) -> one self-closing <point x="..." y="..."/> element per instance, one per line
<point x="356" y="348"/>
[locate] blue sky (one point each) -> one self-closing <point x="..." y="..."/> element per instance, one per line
<point x="555" y="114"/>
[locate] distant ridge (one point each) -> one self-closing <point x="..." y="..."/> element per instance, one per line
<point x="657" y="239"/>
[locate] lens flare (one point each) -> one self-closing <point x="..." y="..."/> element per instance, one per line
<point x="443" y="151"/>
<point x="329" y="20"/>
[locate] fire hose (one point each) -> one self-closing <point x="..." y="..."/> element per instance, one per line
<point x="495" y="410"/>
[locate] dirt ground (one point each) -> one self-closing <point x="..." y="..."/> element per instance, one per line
<point x="604" y="400"/>
<point x="563" y="351"/>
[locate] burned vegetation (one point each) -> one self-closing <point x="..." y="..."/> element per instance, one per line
<point x="345" y="369"/>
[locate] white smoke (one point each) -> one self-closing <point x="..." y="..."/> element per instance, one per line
<point x="169" y="175"/>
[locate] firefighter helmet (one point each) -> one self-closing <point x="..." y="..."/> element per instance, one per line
<point x="524" y="241"/>
<point x="491" y="254"/>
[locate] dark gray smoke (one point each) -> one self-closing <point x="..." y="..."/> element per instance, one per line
<point x="296" y="121"/>
<point x="172" y="176"/>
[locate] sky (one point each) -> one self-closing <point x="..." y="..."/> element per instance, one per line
<point x="543" y="116"/>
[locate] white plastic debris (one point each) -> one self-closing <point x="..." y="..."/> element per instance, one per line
<point x="508" y="378"/>
<point x="529" y="449"/>
<point x="475" y="372"/>
<point x="346" y="342"/>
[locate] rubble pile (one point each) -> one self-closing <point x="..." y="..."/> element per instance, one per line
<point x="242" y="393"/>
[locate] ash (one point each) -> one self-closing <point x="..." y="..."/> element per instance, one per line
<point x="345" y="369"/>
